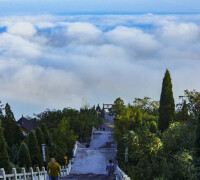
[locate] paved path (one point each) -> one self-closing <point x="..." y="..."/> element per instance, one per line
<point x="90" y="163"/>
<point x="88" y="177"/>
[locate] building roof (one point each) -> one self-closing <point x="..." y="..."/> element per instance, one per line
<point x="27" y="124"/>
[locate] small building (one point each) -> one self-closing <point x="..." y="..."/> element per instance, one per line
<point x="27" y="124"/>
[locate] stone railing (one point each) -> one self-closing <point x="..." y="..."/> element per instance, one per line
<point x="93" y="129"/>
<point x="31" y="175"/>
<point x="120" y="175"/>
<point x="69" y="167"/>
<point x="76" y="146"/>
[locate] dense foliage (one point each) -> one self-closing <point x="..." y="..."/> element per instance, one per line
<point x="163" y="142"/>
<point x="58" y="129"/>
<point x="23" y="157"/>
<point x="168" y="153"/>
<point x="4" y="159"/>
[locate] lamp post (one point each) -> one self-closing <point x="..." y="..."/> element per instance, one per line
<point x="43" y="154"/>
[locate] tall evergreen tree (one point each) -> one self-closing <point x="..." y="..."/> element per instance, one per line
<point x="49" y="148"/>
<point x="9" y="123"/>
<point x="4" y="158"/>
<point x="184" y="112"/>
<point x="46" y="135"/>
<point x="23" y="156"/>
<point x="34" y="150"/>
<point x="167" y="107"/>
<point x="19" y="136"/>
<point x="40" y="137"/>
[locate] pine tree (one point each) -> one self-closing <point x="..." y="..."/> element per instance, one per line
<point x="40" y="137"/>
<point x="167" y="107"/>
<point x="184" y="112"/>
<point x="19" y="136"/>
<point x="46" y="135"/>
<point x="34" y="150"/>
<point x="4" y="158"/>
<point x="98" y="108"/>
<point x="9" y="123"/>
<point x="197" y="137"/>
<point x="23" y="156"/>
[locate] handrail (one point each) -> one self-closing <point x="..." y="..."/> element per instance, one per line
<point x="79" y="145"/>
<point x="94" y="129"/>
<point x="76" y="146"/>
<point x="120" y="175"/>
<point x="41" y="175"/>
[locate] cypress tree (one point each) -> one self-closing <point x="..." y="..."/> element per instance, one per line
<point x="47" y="140"/>
<point x="23" y="156"/>
<point x="184" y="112"/>
<point x="40" y="137"/>
<point x="4" y="158"/>
<point x="19" y="136"/>
<point x="46" y="135"/>
<point x="34" y="150"/>
<point x="167" y="107"/>
<point x="9" y="123"/>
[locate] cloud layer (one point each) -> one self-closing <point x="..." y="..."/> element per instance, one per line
<point x="55" y="61"/>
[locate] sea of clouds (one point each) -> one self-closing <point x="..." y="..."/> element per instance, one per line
<point x="56" y="61"/>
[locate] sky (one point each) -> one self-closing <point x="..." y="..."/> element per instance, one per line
<point x="55" y="54"/>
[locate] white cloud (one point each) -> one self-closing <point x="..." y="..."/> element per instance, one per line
<point x="180" y="34"/>
<point x="134" y="39"/>
<point x="56" y="61"/>
<point x="23" y="29"/>
<point x="79" y="32"/>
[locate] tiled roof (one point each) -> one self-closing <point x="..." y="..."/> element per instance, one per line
<point x="27" y="124"/>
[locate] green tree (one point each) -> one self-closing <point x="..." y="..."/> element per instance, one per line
<point x="197" y="137"/>
<point x="167" y="107"/>
<point x="4" y="158"/>
<point x="19" y="136"/>
<point x="117" y="107"/>
<point x="9" y="123"/>
<point x="34" y="150"/>
<point x="193" y="98"/>
<point x="23" y="156"/>
<point x="153" y="127"/>
<point x="64" y="139"/>
<point x="183" y="114"/>
<point x="138" y="119"/>
<point x="40" y="137"/>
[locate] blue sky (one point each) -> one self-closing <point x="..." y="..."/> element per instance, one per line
<point x="55" y="53"/>
<point x="10" y="7"/>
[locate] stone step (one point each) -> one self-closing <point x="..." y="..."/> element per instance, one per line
<point x="92" y="161"/>
<point x="88" y="177"/>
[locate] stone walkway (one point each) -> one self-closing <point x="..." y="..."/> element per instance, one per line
<point x="88" y="177"/>
<point x="90" y="163"/>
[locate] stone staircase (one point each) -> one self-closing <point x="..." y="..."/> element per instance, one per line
<point x="90" y="163"/>
<point x="87" y="177"/>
